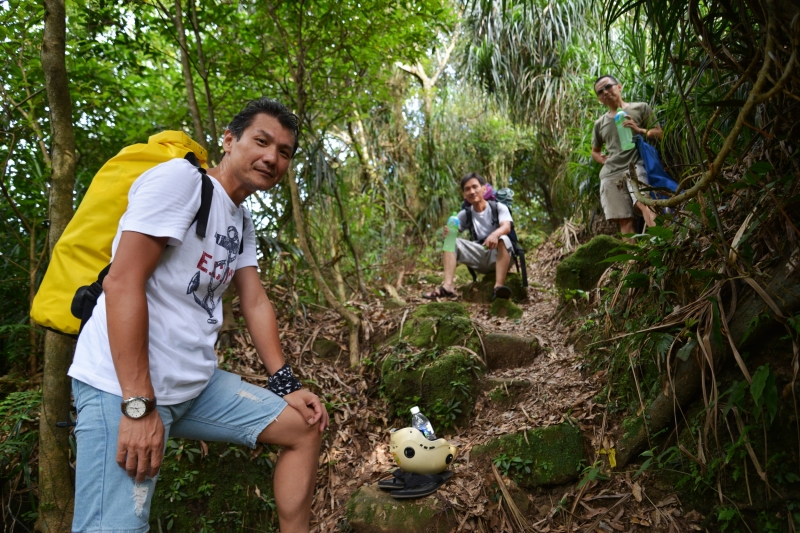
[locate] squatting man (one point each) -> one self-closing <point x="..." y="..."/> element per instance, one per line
<point x="145" y="368"/>
<point x="491" y="252"/>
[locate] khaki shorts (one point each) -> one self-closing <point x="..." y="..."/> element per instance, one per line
<point x="616" y="194"/>
<point x="475" y="256"/>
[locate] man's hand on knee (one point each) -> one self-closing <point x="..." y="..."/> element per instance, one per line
<point x="140" y="446"/>
<point x="309" y="406"/>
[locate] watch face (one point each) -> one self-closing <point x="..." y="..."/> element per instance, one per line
<point x="135" y="408"/>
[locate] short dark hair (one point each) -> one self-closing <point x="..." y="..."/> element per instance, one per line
<point x="605" y="76"/>
<point x="472" y="176"/>
<point x="269" y="107"/>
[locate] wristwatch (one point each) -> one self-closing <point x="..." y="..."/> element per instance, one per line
<point x="138" y="407"/>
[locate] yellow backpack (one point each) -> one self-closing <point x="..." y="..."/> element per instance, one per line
<point x="84" y="249"/>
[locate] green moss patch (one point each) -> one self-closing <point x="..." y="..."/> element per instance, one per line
<point x="481" y="291"/>
<point x="443" y="383"/>
<point x="505" y="308"/>
<point x="582" y="269"/>
<point x="440" y="324"/>
<point x="371" y="510"/>
<point x="552" y="454"/>
<point x="229" y="490"/>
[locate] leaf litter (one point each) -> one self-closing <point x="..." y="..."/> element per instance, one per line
<point x="355" y="451"/>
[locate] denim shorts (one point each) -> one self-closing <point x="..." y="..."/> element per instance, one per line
<point x="106" y="498"/>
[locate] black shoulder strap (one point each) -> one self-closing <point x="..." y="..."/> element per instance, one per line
<point x="241" y="241"/>
<point x="206" y="195"/>
<point x="470" y="225"/>
<point x="495" y="213"/>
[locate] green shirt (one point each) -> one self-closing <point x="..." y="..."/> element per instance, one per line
<point x="605" y="133"/>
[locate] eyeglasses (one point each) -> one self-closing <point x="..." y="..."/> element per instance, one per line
<point x="604" y="89"/>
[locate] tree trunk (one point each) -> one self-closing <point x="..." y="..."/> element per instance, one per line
<point x="213" y="147"/>
<point x="197" y="122"/>
<point x="352" y="319"/>
<point x="56" y="492"/>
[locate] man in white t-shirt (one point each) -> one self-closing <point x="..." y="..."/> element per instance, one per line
<point x="145" y="367"/>
<point x="491" y="249"/>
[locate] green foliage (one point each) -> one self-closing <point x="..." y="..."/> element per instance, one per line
<point x="765" y="393"/>
<point x="513" y="467"/>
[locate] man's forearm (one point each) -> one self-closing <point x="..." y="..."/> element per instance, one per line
<point x="127" y="316"/>
<point x="263" y="328"/>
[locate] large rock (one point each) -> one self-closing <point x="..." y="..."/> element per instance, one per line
<point x="480" y="292"/>
<point x="443" y="384"/>
<point x="228" y="488"/>
<point x="582" y="269"/>
<point x="555" y="454"/>
<point x="509" y="351"/>
<point x="371" y="510"/>
<point x="439" y="324"/>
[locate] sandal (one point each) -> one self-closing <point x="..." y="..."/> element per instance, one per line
<point x="397" y="481"/>
<point x="501" y="292"/>
<point x="419" y="485"/>
<point x="440" y="292"/>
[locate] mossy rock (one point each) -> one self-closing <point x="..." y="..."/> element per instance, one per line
<point x="443" y="384"/>
<point x="555" y="453"/>
<point x="509" y="351"/>
<point x="505" y="308"/>
<point x="325" y="348"/>
<point x="394" y="303"/>
<point x="480" y="292"/>
<point x="506" y="393"/>
<point x="216" y="491"/>
<point x="582" y="269"/>
<point x="371" y="510"/>
<point x="438" y="324"/>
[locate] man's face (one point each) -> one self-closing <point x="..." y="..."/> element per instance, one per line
<point x="261" y="157"/>
<point x="607" y="90"/>
<point x="473" y="191"/>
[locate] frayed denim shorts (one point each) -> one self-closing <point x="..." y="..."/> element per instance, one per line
<point x="106" y="498"/>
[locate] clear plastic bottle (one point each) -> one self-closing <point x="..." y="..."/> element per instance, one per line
<point x="625" y="134"/>
<point x="421" y="422"/>
<point x="450" y="241"/>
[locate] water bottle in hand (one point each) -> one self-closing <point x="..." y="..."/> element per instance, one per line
<point x="625" y="134"/>
<point x="452" y="227"/>
<point x="421" y="422"/>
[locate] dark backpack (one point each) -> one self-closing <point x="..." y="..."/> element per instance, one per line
<point x="517" y="252"/>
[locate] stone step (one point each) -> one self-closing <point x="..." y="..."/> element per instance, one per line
<point x="371" y="510"/>
<point x="509" y="351"/>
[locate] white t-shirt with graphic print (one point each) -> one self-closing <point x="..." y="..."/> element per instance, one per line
<point x="184" y="294"/>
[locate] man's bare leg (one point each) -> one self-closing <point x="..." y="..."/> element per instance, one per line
<point x="648" y="214"/>
<point x="449" y="271"/>
<point x="503" y="262"/>
<point x="296" y="471"/>
<point x="626" y="226"/>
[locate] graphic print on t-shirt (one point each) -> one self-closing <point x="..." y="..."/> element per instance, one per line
<point x="230" y="243"/>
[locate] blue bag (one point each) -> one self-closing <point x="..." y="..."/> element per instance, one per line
<point x="656" y="175"/>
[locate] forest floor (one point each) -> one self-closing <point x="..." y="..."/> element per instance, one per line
<point x="564" y="384"/>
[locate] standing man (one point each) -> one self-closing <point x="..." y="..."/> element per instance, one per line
<point x="145" y="368"/>
<point x="616" y="196"/>
<point x="491" y="248"/>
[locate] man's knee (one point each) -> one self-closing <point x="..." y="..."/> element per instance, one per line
<point x="291" y="430"/>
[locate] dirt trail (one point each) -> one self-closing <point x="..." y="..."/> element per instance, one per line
<point x="356" y="450"/>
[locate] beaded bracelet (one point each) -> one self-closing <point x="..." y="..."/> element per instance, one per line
<point x="283" y="381"/>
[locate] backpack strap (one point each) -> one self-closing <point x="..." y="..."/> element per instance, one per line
<point x="206" y="195"/>
<point x="472" y="235"/>
<point x="495" y="213"/>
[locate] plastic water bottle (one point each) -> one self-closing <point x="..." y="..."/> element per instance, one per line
<point x="625" y="134"/>
<point x="450" y="241"/>
<point x="421" y="422"/>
